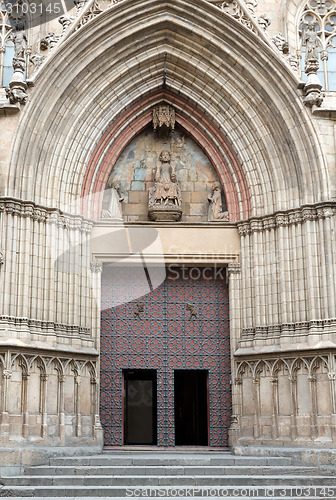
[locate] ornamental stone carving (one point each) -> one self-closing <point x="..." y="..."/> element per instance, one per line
<point x="65" y="21"/>
<point x="233" y="268"/>
<point x="313" y="87"/>
<point x="2" y="258"/>
<point x="49" y="41"/>
<point x="16" y="92"/>
<point x="96" y="266"/>
<point x="164" y="203"/>
<point x="164" y="117"/>
<point x="37" y="60"/>
<point x="93" y="11"/>
<point x="215" y="208"/>
<point x="264" y="22"/>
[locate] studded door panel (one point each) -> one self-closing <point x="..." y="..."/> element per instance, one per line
<point x="182" y="324"/>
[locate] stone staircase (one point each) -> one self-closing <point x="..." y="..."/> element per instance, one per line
<point x="171" y="474"/>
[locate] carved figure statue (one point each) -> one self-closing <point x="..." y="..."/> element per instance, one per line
<point x="166" y="190"/>
<point x="20" y="44"/>
<point x="310" y="40"/>
<point x="215" y="199"/>
<point x="112" y="203"/>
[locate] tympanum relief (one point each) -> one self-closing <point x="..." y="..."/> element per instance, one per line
<point x="164" y="178"/>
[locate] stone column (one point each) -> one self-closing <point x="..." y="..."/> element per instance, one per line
<point x="6" y="374"/>
<point x="275" y="407"/>
<point x="313" y="411"/>
<point x="233" y="272"/>
<point x="256" y="426"/>
<point x="78" y="380"/>
<point x="61" y="413"/>
<point x="24" y="405"/>
<point x="43" y="404"/>
<point x="293" y="401"/>
<point x="332" y="378"/>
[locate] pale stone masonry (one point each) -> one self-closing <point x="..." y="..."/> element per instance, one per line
<point x="271" y="142"/>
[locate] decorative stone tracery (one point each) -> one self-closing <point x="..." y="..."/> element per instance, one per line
<point x="317" y="36"/>
<point x="280" y="411"/>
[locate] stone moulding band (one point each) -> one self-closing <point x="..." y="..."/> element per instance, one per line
<point x="20" y="208"/>
<point x="287" y="218"/>
<point x="299" y="328"/>
<point x="48" y="326"/>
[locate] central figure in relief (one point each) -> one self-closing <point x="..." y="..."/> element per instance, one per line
<point x="164" y="201"/>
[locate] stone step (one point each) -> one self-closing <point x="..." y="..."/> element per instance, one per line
<point x="166" y="480"/>
<point x="288" y="492"/>
<point x="171" y="459"/>
<point x="145" y="470"/>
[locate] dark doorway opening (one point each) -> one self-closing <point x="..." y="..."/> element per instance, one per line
<point x="191" y="407"/>
<point x="140" y="407"/>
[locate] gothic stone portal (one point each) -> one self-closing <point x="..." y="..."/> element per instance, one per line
<point x="181" y="325"/>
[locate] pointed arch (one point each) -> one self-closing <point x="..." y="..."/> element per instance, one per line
<point x="224" y="72"/>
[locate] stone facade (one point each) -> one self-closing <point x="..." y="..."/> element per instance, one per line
<point x="245" y="118"/>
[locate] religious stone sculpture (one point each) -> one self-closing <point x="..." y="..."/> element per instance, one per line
<point x="215" y="209"/>
<point x="164" y="202"/>
<point x="20" y="44"/>
<point x="16" y="92"/>
<point x="310" y="41"/>
<point x="112" y="200"/>
<point x="313" y="86"/>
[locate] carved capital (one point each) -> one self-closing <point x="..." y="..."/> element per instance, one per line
<point x="96" y="266"/>
<point x="244" y="228"/>
<point x="256" y="380"/>
<point x="311" y="378"/>
<point x="274" y="380"/>
<point x="332" y="375"/>
<point x="233" y="268"/>
<point x="78" y="379"/>
<point x="282" y="219"/>
<point x="61" y="379"/>
<point x="292" y="379"/>
<point x="7" y="374"/>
